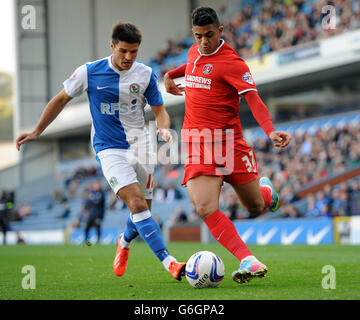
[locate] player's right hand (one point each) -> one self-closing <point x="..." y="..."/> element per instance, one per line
<point x="172" y="87"/>
<point x="25" y="137"/>
<point x="281" y="139"/>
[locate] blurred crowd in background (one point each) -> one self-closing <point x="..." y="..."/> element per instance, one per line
<point x="309" y="159"/>
<point x="257" y="27"/>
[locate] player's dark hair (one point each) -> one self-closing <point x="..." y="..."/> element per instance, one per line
<point x="203" y="16"/>
<point x="127" y="32"/>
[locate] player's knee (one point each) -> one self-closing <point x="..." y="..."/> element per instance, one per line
<point x="205" y="209"/>
<point x="256" y="208"/>
<point x="137" y="204"/>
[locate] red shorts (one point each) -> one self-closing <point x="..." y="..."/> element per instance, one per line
<point x="231" y="159"/>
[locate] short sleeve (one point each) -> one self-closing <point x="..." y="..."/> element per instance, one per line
<point x="238" y="76"/>
<point x="152" y="93"/>
<point x="77" y="83"/>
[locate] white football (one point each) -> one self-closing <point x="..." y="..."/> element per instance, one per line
<point x="204" y="269"/>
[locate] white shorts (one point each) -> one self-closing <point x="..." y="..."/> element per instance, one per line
<point x="121" y="168"/>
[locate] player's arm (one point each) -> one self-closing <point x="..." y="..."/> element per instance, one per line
<point x="261" y="113"/>
<point x="162" y="122"/>
<point x="155" y="100"/>
<point x="238" y="75"/>
<point x="170" y="85"/>
<point x="51" y="111"/>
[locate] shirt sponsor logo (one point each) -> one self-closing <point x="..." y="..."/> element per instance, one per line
<point x="207" y="68"/>
<point x="134" y="88"/>
<point x="123" y="109"/>
<point x="197" y="82"/>
<point x="247" y="77"/>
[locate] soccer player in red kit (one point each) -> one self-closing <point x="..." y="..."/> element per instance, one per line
<point x="215" y="79"/>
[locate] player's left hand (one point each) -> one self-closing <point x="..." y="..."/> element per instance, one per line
<point x="281" y="139"/>
<point x="165" y="134"/>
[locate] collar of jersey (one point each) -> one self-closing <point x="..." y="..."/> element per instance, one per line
<point x="212" y="53"/>
<point x="117" y="70"/>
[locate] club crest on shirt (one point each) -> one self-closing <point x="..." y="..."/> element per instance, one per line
<point x="207" y="68"/>
<point x="134" y="88"/>
<point x="113" y="181"/>
<point x="247" y="77"/>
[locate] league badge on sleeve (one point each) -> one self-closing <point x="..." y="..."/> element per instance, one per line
<point x="247" y="77"/>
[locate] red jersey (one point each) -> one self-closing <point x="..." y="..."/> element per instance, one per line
<point x="213" y="86"/>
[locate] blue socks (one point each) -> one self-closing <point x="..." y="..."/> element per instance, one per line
<point x="149" y="230"/>
<point x="130" y="232"/>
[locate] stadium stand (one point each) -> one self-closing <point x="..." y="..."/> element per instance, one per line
<point x="260" y="27"/>
<point x="321" y="149"/>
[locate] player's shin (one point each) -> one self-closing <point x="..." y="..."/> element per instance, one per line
<point x="224" y="231"/>
<point x="149" y="230"/>
<point x="130" y="232"/>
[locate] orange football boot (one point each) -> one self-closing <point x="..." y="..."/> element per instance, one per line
<point x="121" y="259"/>
<point x="177" y="269"/>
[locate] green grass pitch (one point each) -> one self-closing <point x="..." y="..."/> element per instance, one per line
<point x="80" y="272"/>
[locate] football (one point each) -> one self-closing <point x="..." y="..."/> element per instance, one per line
<point x="204" y="269"/>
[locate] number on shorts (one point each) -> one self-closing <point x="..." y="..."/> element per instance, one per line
<point x="251" y="166"/>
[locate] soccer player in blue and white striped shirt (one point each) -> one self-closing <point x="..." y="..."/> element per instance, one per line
<point x="119" y="88"/>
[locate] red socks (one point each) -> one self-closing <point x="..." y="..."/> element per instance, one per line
<point x="266" y="194"/>
<point x="223" y="230"/>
